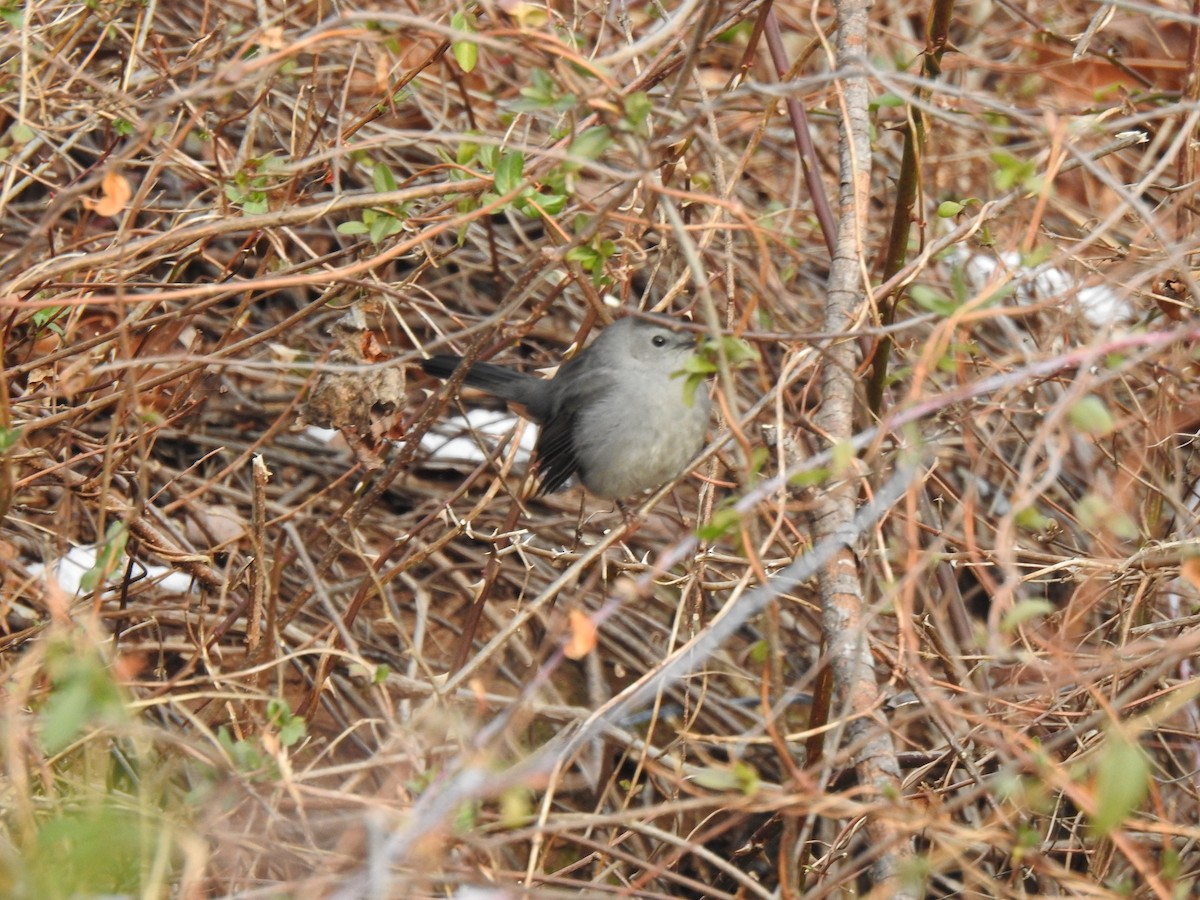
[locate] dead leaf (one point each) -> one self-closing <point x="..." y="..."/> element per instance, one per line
<point x="117" y="192"/>
<point x="583" y="635"/>
<point x="1190" y="570"/>
<point x="528" y="15"/>
<point x="272" y="38"/>
<point x="215" y="525"/>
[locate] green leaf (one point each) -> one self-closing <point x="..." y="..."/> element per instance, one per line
<point x="948" y="209"/>
<point x="9" y="438"/>
<point x="82" y="693"/>
<point x="888" y="100"/>
<point x="741" y="777"/>
<point x="1096" y="512"/>
<point x="46" y="315"/>
<point x="1031" y="520"/>
<point x="589" y="145"/>
<point x="932" y="301"/>
<point x="1012" y="172"/>
<point x="244" y="755"/>
<point x="383" y="226"/>
<point x="760" y="652"/>
<point x="739" y="352"/>
<point x="758" y="459"/>
<point x="582" y="254"/>
<point x="489" y="157"/>
<point x="552" y="204"/>
<point x="741" y="31"/>
<point x="352" y="228"/>
<point x="724" y="521"/>
<point x="292" y="732"/>
<point x="543" y="94"/>
<point x="1092" y="417"/>
<point x="1023" y="611"/>
<point x="637" y="109"/>
<point x="382" y="178"/>
<point x="809" y="477"/>
<point x="1122" y="777"/>
<point x="466" y="52"/>
<point x="291" y="728"/>
<point x="516" y="807"/>
<point x="86" y="846"/>
<point x="467" y="151"/>
<point x="508" y="172"/>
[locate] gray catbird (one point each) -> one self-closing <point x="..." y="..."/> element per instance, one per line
<point x="615" y="415"/>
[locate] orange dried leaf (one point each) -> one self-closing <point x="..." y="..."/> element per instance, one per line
<point x="272" y="38"/>
<point x="117" y="192"/>
<point x="1190" y="570"/>
<point x="583" y="635"/>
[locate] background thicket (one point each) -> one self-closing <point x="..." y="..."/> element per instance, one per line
<point x="275" y="663"/>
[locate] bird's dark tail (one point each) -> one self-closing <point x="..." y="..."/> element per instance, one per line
<point x="498" y="381"/>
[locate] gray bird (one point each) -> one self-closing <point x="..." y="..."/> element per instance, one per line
<point x="615" y="415"/>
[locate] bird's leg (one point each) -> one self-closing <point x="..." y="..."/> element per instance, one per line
<point x="632" y="520"/>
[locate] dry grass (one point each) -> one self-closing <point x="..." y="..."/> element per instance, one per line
<point x="177" y="275"/>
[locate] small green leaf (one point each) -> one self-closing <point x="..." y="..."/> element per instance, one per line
<point x="738" y="351"/>
<point x="742" y="777"/>
<point x="809" y="477"/>
<point x="637" y="109"/>
<point x="543" y="94"/>
<point x="1096" y="512"/>
<point x="1122" y="777"/>
<point x="242" y="753"/>
<point x="1012" y="172"/>
<point x="83" y="693"/>
<point x="508" y="172"/>
<point x="467" y="151"/>
<point x="1092" y="417"/>
<point x="758" y="459"/>
<point x="760" y="652"/>
<point x="291" y="727"/>
<point x="552" y="204"/>
<point x="589" y="145"/>
<point x="948" y="209"/>
<point x="382" y="178"/>
<point x="489" y="157"/>
<point x="1023" y="611"/>
<point x="723" y="521"/>
<point x="352" y="228"/>
<point x="933" y="301"/>
<point x="46" y="315"/>
<point x="466" y="52"/>
<point x="1032" y="520"/>
<point x="382" y="226"/>
<point x="516" y="807"/>
<point x="843" y="456"/>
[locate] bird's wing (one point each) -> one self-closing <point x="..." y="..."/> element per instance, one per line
<point x="556" y="452"/>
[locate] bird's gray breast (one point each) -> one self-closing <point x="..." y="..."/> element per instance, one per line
<point x="639" y="434"/>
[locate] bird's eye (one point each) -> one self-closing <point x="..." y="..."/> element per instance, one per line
<point x="658" y="340"/>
